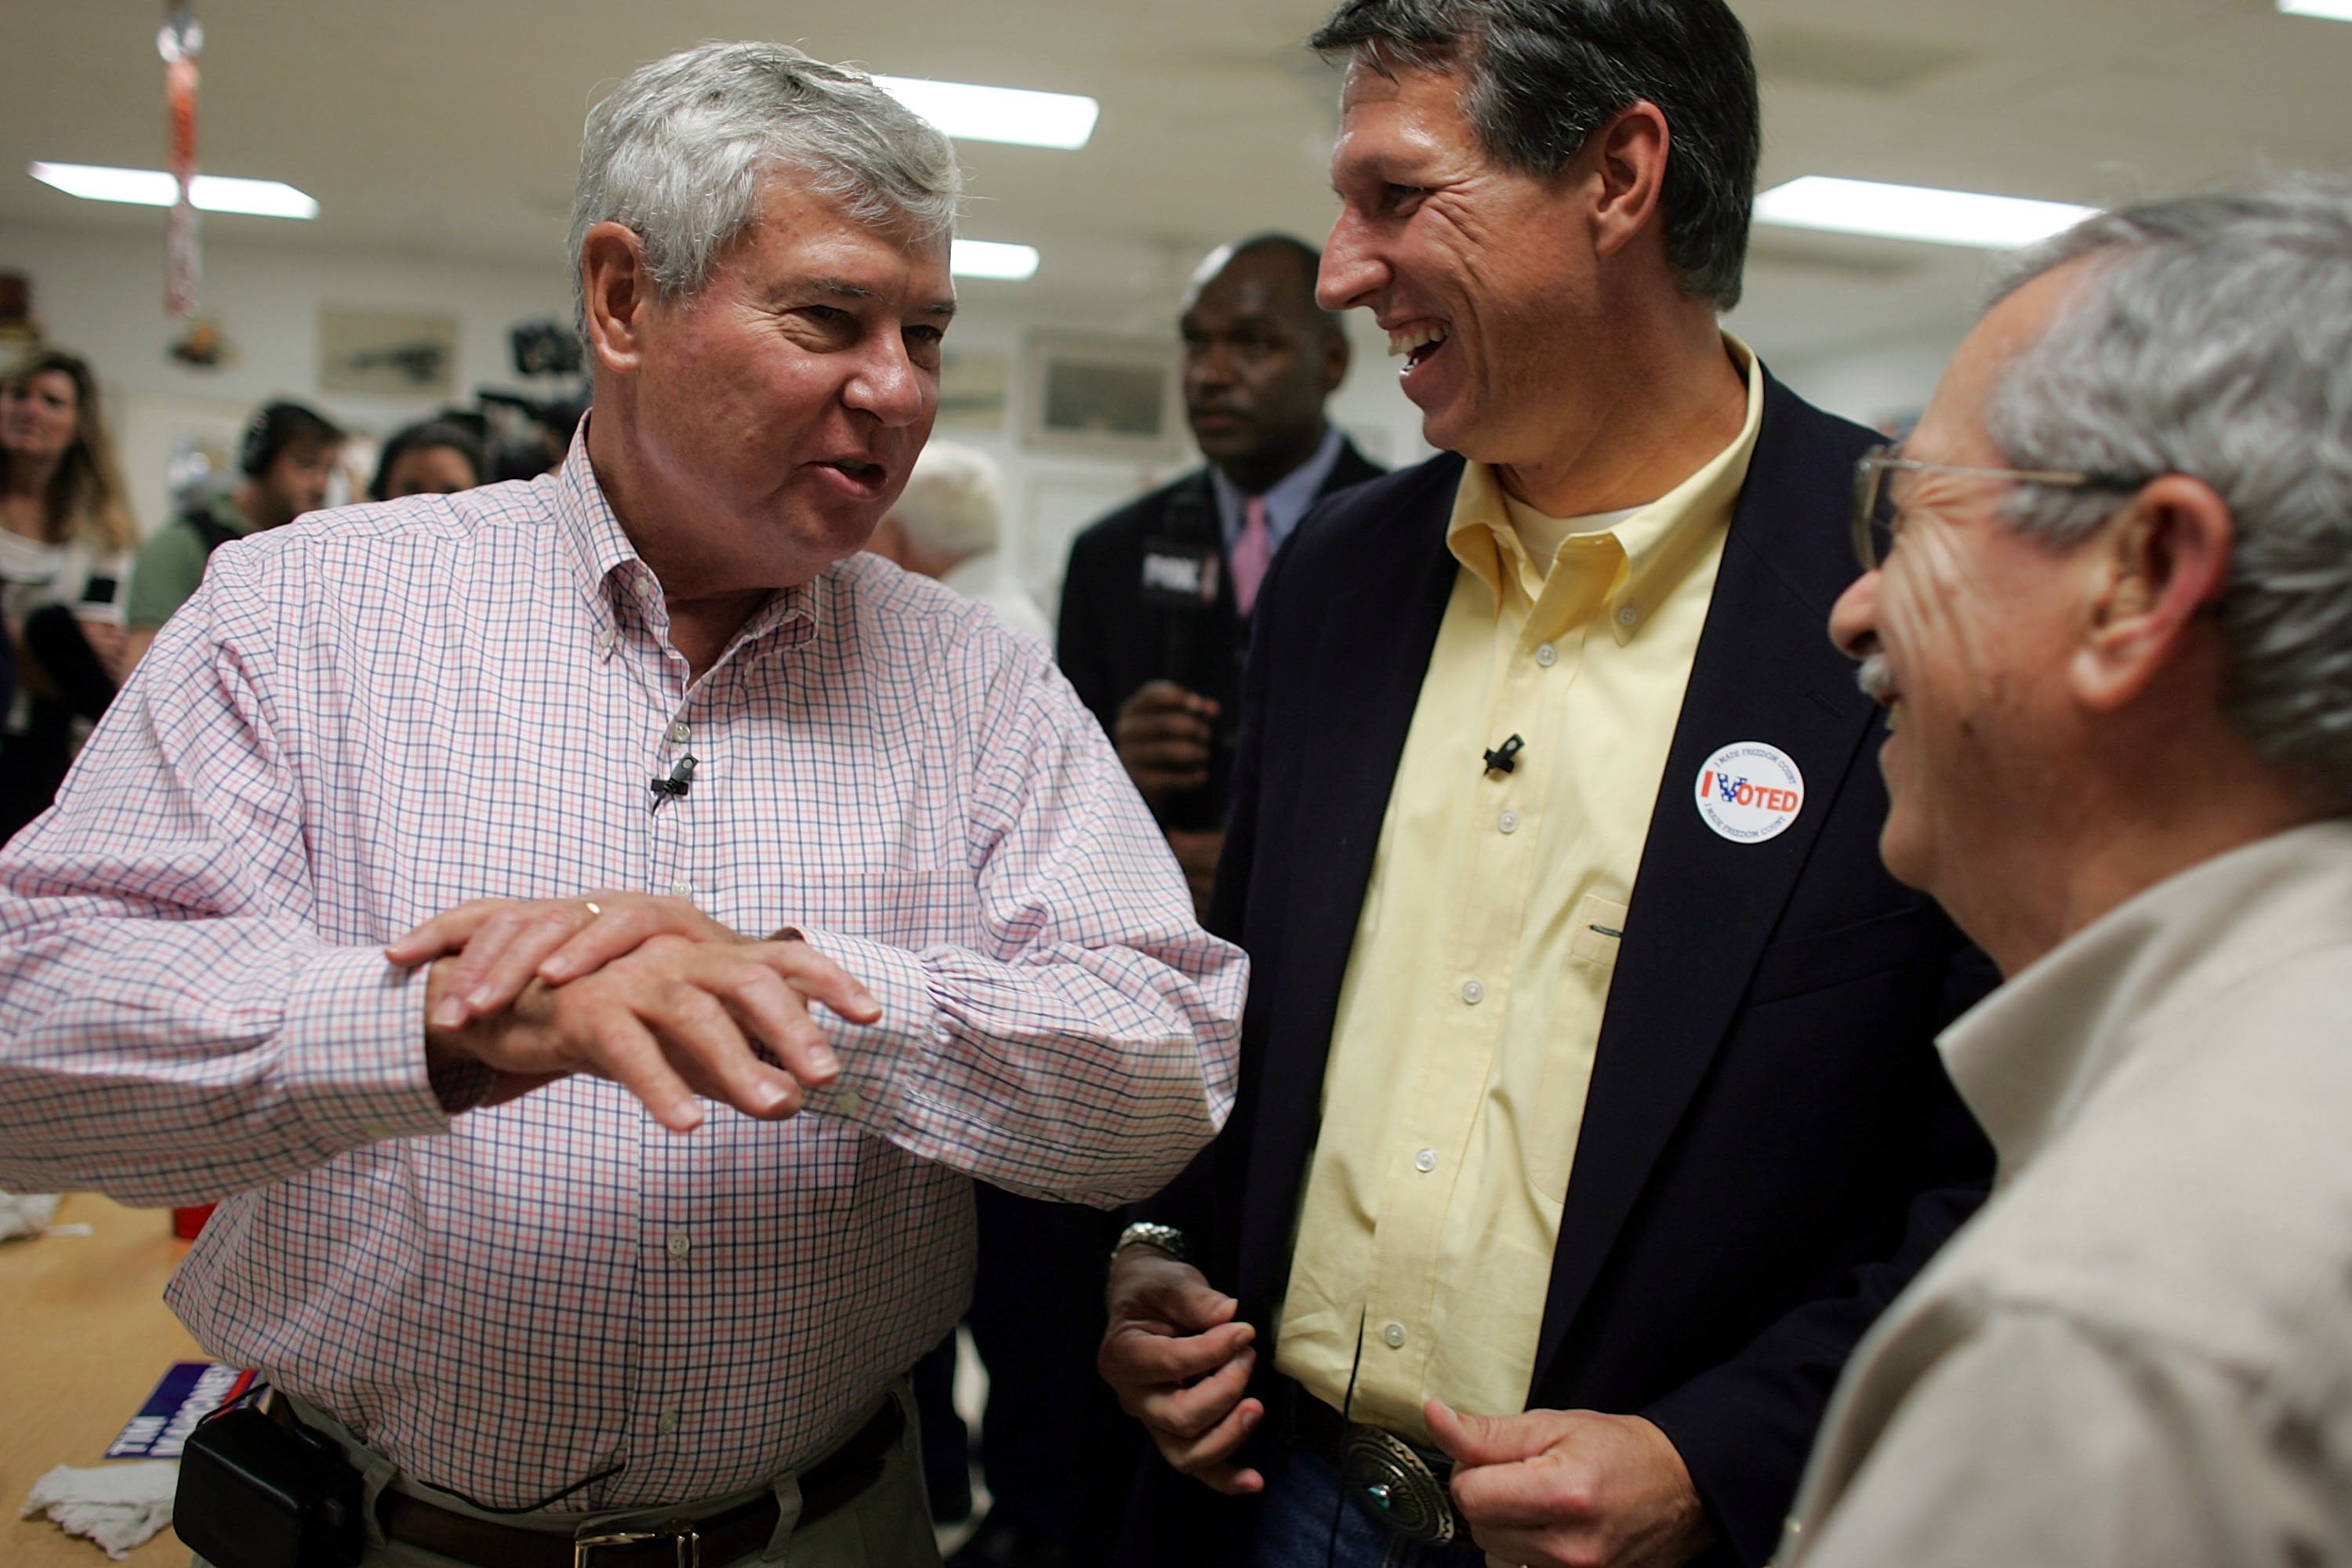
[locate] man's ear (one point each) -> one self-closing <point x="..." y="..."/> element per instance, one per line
<point x="618" y="289"/>
<point x="2156" y="569"/>
<point x="1628" y="162"/>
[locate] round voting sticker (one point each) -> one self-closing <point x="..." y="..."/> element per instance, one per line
<point x="1750" y="791"/>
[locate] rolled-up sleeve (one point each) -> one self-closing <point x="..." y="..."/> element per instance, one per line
<point x="172" y="1026"/>
<point x="1083" y="1047"/>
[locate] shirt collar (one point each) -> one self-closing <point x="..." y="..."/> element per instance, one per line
<point x="2028" y="1058"/>
<point x="612" y="578"/>
<point x="1657" y="542"/>
<point x="1286" y="500"/>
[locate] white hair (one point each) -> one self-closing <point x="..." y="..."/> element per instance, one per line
<point x="953" y="501"/>
<point x="681" y="149"/>
<point x="2213" y="338"/>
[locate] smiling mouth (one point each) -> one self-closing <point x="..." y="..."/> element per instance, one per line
<point x="1417" y="344"/>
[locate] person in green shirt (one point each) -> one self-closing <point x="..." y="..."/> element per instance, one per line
<point x="286" y="457"/>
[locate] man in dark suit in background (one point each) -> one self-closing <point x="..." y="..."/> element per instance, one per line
<point x="1588" y="1109"/>
<point x="1154" y="624"/>
<point x="1156" y="604"/>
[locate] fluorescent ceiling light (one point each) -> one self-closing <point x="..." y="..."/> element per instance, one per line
<point x="157" y="188"/>
<point x="2334" y="10"/>
<point x="988" y="259"/>
<point x="1915" y="211"/>
<point x="997" y="113"/>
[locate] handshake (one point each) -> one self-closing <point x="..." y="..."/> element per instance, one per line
<point x="647" y="991"/>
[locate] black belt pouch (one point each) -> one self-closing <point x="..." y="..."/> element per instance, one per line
<point x="255" y="1493"/>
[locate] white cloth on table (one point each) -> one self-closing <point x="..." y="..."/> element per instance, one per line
<point x="25" y="1216"/>
<point x="118" y="1506"/>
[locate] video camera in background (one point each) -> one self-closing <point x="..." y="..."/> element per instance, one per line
<point x="528" y="435"/>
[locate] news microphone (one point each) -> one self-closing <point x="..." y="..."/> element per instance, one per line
<point x="1503" y="758"/>
<point x="680" y="780"/>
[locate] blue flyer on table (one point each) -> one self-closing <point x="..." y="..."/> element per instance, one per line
<point x="190" y="1391"/>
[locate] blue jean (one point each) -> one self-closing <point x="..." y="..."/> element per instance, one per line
<point x="1306" y="1521"/>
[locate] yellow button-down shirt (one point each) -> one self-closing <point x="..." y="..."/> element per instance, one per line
<point x="1467" y="1025"/>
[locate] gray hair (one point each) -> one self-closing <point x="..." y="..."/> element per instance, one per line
<point x="681" y="149"/>
<point x="953" y="501"/>
<point x="1541" y="76"/>
<point x="2213" y="338"/>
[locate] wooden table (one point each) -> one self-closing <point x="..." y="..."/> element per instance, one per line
<point x="88" y="1336"/>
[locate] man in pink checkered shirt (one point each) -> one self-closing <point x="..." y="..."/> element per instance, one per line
<point x="592" y="931"/>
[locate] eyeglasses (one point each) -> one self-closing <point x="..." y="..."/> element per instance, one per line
<point x="1877" y="517"/>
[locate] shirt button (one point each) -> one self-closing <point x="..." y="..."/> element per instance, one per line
<point x="680" y="1245"/>
<point x="1473" y="992"/>
<point x="666" y="1423"/>
<point x="1394" y="1335"/>
<point x="1547" y="655"/>
<point x="1509" y="822"/>
<point x="681" y="889"/>
<point x="852" y="1101"/>
<point x="604" y="641"/>
<point x="681" y="732"/>
<point x="1628" y="616"/>
<point x="1425" y="1162"/>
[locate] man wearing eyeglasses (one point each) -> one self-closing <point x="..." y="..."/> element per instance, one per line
<point x="1589" y="1110"/>
<point x="2109" y="614"/>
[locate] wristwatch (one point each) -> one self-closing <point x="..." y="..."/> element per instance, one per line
<point x="1164" y="1238"/>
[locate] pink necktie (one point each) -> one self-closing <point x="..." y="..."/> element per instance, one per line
<point x="1253" y="552"/>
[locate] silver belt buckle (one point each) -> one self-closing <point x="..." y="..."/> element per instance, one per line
<point x="688" y="1544"/>
<point x="1383" y="1469"/>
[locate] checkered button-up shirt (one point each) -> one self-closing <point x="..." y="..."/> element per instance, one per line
<point x="368" y="716"/>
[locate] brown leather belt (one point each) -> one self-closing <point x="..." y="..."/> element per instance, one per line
<point x="827" y="1487"/>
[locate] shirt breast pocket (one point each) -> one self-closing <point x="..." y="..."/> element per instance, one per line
<point x="1566" y="1076"/>
<point x="1600" y="931"/>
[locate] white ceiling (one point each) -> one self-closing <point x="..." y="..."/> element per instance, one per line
<point x="449" y="128"/>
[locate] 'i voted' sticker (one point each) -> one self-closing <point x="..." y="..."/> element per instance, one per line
<point x="1750" y="791"/>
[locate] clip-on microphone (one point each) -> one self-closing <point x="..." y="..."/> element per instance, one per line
<point x="680" y="780"/>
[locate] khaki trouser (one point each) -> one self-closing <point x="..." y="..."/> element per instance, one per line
<point x="887" y="1526"/>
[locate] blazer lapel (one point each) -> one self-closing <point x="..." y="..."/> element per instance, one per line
<point x="1702" y="905"/>
<point x="1368" y="649"/>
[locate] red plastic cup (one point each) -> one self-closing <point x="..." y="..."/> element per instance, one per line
<point x="187" y="1222"/>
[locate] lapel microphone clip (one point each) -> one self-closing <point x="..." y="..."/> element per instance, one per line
<point x="680" y="780"/>
<point x="1502" y="758"/>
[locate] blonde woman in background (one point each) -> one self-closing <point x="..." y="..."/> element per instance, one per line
<point x="66" y="535"/>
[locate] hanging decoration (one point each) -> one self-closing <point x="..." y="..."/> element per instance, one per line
<point x="181" y="40"/>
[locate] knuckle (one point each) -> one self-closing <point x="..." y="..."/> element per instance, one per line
<point x="695" y="1007"/>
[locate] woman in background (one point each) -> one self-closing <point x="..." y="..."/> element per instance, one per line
<point x="436" y="457"/>
<point x="66" y="537"/>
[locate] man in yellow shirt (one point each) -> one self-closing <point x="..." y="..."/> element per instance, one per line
<point x="1588" y="1089"/>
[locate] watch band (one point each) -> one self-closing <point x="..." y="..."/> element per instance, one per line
<point x="1164" y="1238"/>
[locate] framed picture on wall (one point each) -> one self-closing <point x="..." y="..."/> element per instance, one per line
<point x="972" y="391"/>
<point x="389" y="353"/>
<point x="1100" y="397"/>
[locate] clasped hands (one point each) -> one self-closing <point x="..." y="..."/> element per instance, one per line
<point x="646" y="991"/>
<point x="1565" y="1488"/>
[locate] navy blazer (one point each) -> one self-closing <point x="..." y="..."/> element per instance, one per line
<point x="1771" y="1147"/>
